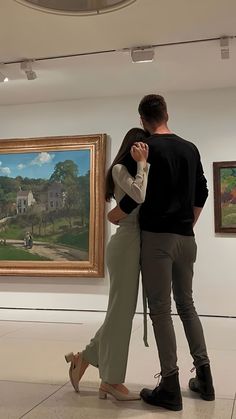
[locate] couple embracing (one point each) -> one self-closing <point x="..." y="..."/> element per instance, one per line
<point x="158" y="183"/>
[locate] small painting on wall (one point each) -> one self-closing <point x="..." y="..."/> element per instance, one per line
<point x="225" y="196"/>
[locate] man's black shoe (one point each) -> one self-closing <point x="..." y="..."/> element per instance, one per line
<point x="167" y="394"/>
<point x="202" y="383"/>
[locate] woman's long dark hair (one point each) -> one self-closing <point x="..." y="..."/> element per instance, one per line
<point x="124" y="157"/>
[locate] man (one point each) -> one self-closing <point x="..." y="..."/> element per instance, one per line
<point x="176" y="194"/>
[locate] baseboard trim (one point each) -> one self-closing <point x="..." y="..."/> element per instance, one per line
<point x="100" y="311"/>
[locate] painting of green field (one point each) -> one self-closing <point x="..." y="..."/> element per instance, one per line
<point x="228" y="197"/>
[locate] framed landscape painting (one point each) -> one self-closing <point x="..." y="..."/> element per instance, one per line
<point x="225" y="196"/>
<point x="52" y="206"/>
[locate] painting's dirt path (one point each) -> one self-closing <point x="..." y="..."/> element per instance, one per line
<point x="53" y="251"/>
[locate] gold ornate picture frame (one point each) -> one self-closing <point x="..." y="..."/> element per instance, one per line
<point x="52" y="206"/>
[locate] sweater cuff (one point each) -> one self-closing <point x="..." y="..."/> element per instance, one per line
<point x="127" y="204"/>
<point x="142" y="166"/>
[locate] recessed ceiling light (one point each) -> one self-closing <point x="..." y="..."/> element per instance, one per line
<point x="76" y="7"/>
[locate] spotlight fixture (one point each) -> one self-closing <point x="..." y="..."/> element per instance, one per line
<point x="26" y="66"/>
<point x="3" y="78"/>
<point x="224" y="47"/>
<point x="142" y="55"/>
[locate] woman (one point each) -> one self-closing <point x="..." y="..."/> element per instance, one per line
<point x="108" y="350"/>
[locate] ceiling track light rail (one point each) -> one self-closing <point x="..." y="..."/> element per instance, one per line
<point x="132" y="50"/>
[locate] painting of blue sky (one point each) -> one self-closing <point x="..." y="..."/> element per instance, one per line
<point x="41" y="165"/>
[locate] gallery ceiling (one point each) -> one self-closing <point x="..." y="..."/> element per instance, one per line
<point x="26" y="33"/>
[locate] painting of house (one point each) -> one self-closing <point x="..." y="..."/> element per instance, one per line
<point x="56" y="196"/>
<point x="24" y="200"/>
<point x="52" y="189"/>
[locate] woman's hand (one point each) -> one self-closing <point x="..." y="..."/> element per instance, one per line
<point x="115" y="215"/>
<point x="139" y="152"/>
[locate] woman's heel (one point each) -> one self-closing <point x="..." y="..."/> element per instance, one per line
<point x="77" y="368"/>
<point x="102" y="394"/>
<point x="106" y="389"/>
<point x="69" y="357"/>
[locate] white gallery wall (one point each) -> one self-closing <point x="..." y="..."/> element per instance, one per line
<point x="207" y="118"/>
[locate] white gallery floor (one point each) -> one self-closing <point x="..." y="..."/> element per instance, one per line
<point x="34" y="376"/>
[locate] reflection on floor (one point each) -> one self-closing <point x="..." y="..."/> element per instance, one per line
<point x="34" y="375"/>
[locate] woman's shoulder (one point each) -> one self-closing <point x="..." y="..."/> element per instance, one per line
<point x="117" y="168"/>
<point x="119" y="172"/>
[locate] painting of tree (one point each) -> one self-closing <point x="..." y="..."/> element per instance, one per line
<point x="45" y="199"/>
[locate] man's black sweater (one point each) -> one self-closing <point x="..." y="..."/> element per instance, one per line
<point x="176" y="184"/>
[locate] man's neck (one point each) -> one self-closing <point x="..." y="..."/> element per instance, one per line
<point x="161" y="129"/>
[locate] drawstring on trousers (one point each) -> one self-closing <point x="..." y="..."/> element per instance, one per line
<point x="145" y="318"/>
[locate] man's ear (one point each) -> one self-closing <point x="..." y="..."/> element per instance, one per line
<point x="143" y="122"/>
<point x="146" y="126"/>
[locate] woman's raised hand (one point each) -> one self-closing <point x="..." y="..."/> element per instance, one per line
<point x="139" y="152"/>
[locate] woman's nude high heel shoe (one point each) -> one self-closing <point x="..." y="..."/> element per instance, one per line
<point x="106" y="389"/>
<point x="75" y="375"/>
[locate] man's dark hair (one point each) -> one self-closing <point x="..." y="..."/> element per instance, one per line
<point x="153" y="109"/>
